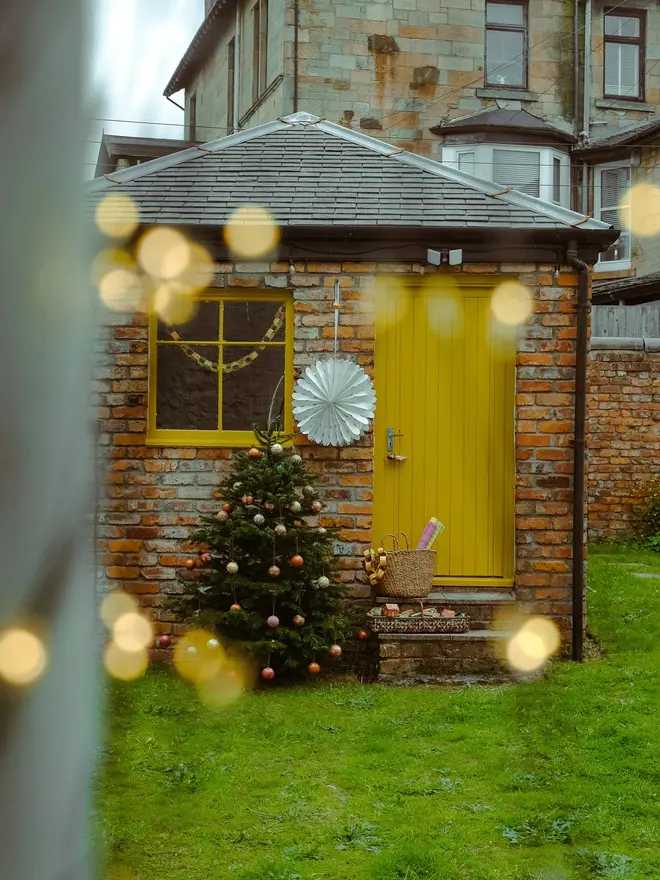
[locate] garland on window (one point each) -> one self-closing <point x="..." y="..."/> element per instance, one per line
<point x="232" y="367"/>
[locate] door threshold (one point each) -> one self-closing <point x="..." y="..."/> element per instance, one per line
<point x="473" y="583"/>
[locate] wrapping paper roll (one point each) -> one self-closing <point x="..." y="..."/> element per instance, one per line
<point x="427" y="534"/>
<point x="439" y="529"/>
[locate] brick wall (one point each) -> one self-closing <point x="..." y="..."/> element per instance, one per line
<point x="624" y="435"/>
<point x="153" y="496"/>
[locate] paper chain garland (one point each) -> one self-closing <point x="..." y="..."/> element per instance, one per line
<point x="206" y="364"/>
<point x="375" y="562"/>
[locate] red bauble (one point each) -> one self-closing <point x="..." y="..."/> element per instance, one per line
<point x="268" y="673"/>
<point x="335" y="651"/>
<point x="274" y="571"/>
<point x="248" y="500"/>
<point x="254" y="452"/>
<point x="313" y="668"/>
<point x="205" y="558"/>
<point x="269" y="507"/>
<point x="298" y="620"/>
<point x="227" y="507"/>
<point x="235" y="607"/>
<point x="297" y="561"/>
<point x="163" y="641"/>
<point x="317" y="507"/>
<point x="273" y="621"/>
<point x="190" y="564"/>
<point x="363" y="635"/>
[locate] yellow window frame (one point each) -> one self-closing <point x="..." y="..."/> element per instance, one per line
<point x="163" y="437"/>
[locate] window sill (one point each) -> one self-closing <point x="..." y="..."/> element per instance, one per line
<point x="260" y="100"/>
<point x="617" y="104"/>
<point x="197" y="440"/>
<point x="614" y="274"/>
<point x="613" y="266"/>
<point x="507" y="94"/>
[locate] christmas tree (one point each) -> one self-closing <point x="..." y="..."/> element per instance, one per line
<point x="266" y="583"/>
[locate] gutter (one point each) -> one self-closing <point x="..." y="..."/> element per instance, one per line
<point x="579" y="450"/>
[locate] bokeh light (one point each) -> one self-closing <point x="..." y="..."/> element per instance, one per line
<point x="132" y="632"/>
<point x="117" y="216"/>
<point x="122" y="290"/>
<point x="199" y="272"/>
<point x="114" y="605"/>
<point x="512" y="303"/>
<point x="174" y="302"/>
<point x="251" y="232"/>
<point x="533" y="644"/>
<point x="390" y="297"/>
<point x="23" y="657"/>
<point x="124" y="665"/>
<point x="202" y="663"/>
<point x="107" y="260"/>
<point x="222" y="688"/>
<point x="164" y="253"/>
<point x="444" y="313"/>
<point x="639" y="210"/>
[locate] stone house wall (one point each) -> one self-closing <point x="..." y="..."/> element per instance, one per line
<point x="624" y="432"/>
<point x="153" y="496"/>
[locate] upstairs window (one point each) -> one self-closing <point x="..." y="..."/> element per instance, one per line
<point x="519" y="169"/>
<point x="624" y="55"/>
<point x="231" y="73"/>
<point x="612" y="205"/>
<point x="260" y="49"/>
<point x="506" y="44"/>
<point x="192" y="118"/>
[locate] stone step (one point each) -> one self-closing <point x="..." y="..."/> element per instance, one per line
<point x="443" y="658"/>
<point x="480" y="605"/>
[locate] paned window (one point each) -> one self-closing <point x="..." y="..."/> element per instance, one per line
<point x="518" y="169"/>
<point x="226" y="370"/>
<point x="612" y="205"/>
<point x="506" y="44"/>
<point x="260" y="49"/>
<point x="624" y="55"/>
<point x="231" y="73"/>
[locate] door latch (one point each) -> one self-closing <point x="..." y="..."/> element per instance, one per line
<point x="391" y="434"/>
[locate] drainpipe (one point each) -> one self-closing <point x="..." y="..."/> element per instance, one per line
<point x="579" y="449"/>
<point x="576" y="66"/>
<point x="296" y="28"/>
<point x="237" y="69"/>
<point x="586" y="99"/>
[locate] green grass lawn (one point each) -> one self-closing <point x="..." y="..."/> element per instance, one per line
<point x="550" y="780"/>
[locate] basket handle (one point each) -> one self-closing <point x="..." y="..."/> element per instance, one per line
<point x="395" y="540"/>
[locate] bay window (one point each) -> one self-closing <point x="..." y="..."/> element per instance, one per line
<point x="537" y="171"/>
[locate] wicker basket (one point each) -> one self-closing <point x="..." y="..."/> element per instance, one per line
<point x="408" y="573"/>
<point x="458" y="624"/>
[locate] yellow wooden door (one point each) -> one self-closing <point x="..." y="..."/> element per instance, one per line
<point x="445" y="382"/>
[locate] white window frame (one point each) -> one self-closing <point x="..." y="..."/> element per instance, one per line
<point x="610" y="265"/>
<point x="484" y="166"/>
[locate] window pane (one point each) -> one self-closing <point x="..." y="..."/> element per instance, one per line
<point x="519" y="169"/>
<point x="556" y="180"/>
<point x="614" y="186"/>
<point x="204" y="326"/>
<point x="251" y="320"/>
<point x="505" y="13"/>
<point x="622" y="69"/>
<point x="187" y="393"/>
<point x="621" y="26"/>
<point x="620" y="250"/>
<point x="247" y="391"/>
<point x="505" y="58"/>
<point x="466" y="163"/>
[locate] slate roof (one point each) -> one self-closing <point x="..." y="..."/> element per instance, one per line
<point x="630" y="137"/>
<point x="313" y="173"/>
<point x="636" y="290"/>
<point x="520" y="122"/>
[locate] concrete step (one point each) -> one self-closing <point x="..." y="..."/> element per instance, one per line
<point x="443" y="658"/>
<point x="480" y="605"/>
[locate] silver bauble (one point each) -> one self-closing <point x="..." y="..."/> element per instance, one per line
<point x="323" y="582"/>
<point x="258" y="519"/>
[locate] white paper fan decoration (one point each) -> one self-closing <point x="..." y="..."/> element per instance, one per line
<point x="333" y="402"/>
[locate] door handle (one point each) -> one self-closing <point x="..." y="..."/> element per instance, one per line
<point x="391" y="434"/>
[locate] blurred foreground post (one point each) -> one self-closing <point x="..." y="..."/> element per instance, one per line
<point x="46" y="336"/>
